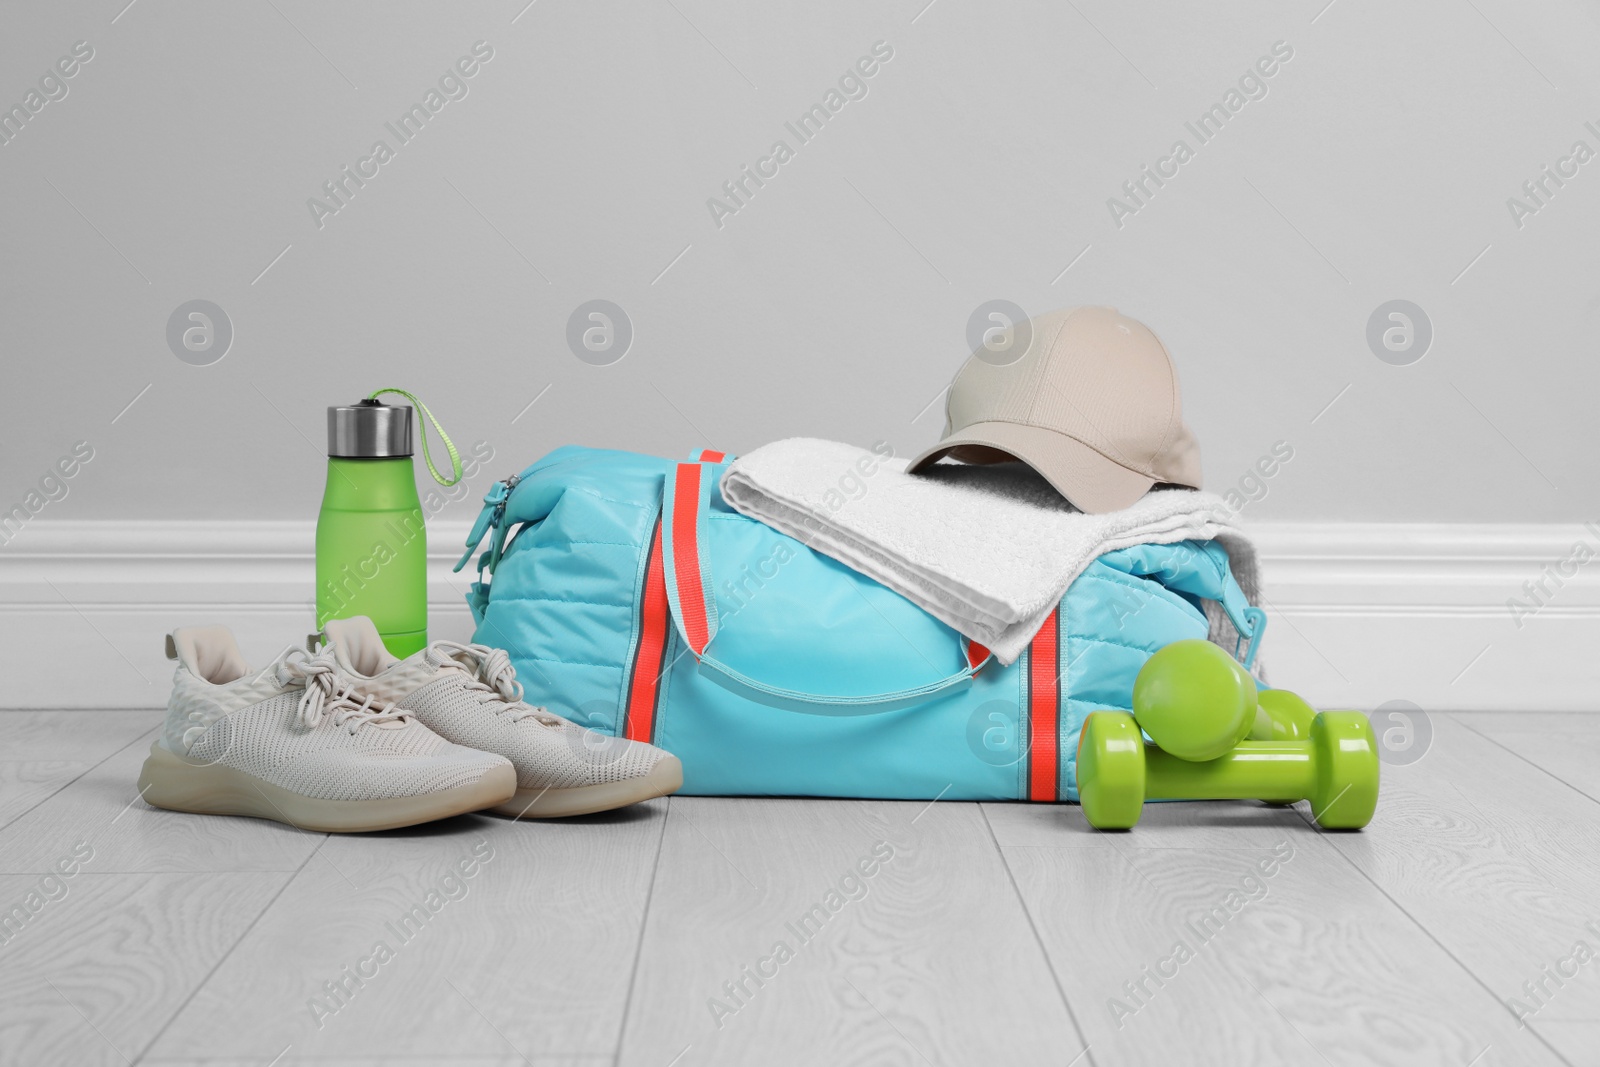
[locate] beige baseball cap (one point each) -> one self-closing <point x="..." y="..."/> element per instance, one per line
<point x="1086" y="396"/>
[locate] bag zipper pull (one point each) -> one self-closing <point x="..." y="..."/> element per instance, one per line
<point x="492" y="515"/>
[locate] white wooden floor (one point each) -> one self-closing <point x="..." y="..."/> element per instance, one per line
<point x="992" y="934"/>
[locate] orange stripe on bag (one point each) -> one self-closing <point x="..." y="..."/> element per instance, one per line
<point x="647" y="660"/>
<point x="1044" y="711"/>
<point x="686" y="556"/>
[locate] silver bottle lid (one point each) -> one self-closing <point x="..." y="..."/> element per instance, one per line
<point x="369" y="430"/>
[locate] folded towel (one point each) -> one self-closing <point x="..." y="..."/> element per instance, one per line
<point x="989" y="550"/>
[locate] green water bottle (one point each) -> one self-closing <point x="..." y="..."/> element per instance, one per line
<point x="372" y="545"/>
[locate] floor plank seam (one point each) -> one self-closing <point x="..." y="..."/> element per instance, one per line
<point x="1429" y="934"/>
<point x="1204" y="849"/>
<point x="79" y="709"/>
<point x="1033" y="928"/>
<point x="103" y="873"/>
<point x="1513" y="752"/>
<point x="644" y="926"/>
<point x="138" y="1059"/>
<point x="87" y="771"/>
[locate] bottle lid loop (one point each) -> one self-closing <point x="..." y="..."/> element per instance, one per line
<point x="422" y="431"/>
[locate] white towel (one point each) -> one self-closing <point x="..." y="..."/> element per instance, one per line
<point x="989" y="550"/>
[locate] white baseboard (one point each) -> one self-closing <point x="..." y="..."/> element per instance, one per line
<point x="1365" y="613"/>
<point x="90" y="602"/>
<point x="1360" y="613"/>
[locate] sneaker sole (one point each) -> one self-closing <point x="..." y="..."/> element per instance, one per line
<point x="171" y="782"/>
<point x="664" y="778"/>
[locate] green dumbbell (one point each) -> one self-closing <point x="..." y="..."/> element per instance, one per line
<point x="1335" y="768"/>
<point x="1281" y="716"/>
<point x="1195" y="701"/>
<point x="1198" y="704"/>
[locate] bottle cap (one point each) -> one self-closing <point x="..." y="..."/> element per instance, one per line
<point x="369" y="430"/>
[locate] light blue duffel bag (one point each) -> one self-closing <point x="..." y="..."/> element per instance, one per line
<point x="632" y="599"/>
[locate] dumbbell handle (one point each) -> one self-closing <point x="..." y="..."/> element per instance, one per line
<point x="1253" y="770"/>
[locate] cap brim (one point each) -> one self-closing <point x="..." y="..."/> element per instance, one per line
<point x="1088" y="480"/>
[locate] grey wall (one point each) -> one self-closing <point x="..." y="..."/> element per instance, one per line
<point x="835" y="302"/>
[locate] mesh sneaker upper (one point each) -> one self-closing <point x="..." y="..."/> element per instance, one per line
<point x="256" y="725"/>
<point x="195" y="703"/>
<point x="470" y="695"/>
<point x="329" y="762"/>
<point x="548" y="751"/>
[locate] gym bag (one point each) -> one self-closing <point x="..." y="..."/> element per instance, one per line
<point x="634" y="601"/>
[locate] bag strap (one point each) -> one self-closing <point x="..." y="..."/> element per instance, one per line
<point x="422" y="431"/>
<point x="692" y="603"/>
<point x="1042" y="681"/>
<point x="689" y="590"/>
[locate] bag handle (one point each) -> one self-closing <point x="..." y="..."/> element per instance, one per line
<point x="1248" y="620"/>
<point x="693" y="607"/>
<point x="422" y="431"/>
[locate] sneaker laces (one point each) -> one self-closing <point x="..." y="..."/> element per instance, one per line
<point x="491" y="675"/>
<point x="328" y="694"/>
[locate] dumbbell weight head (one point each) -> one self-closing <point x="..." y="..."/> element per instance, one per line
<point x="1346" y="792"/>
<point x="1111" y="783"/>
<point x="1194" y="700"/>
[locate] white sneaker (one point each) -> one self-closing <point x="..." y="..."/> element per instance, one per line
<point x="293" y="744"/>
<point x="470" y="694"/>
